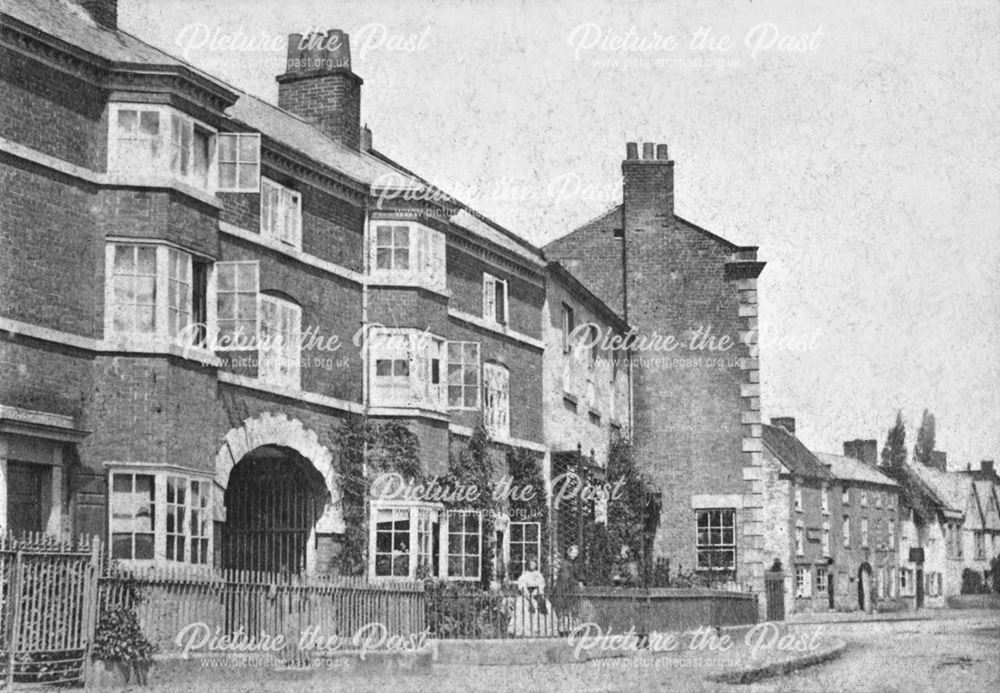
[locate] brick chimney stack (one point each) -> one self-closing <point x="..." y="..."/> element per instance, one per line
<point x="648" y="187"/>
<point x="319" y="85"/>
<point x="939" y="460"/>
<point x="864" y="450"/>
<point x="104" y="12"/>
<point x="785" y="422"/>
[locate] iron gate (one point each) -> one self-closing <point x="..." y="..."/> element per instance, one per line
<point x="49" y="609"/>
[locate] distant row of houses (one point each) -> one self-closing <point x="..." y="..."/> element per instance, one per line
<point x="853" y="534"/>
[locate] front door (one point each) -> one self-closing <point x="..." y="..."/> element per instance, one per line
<point x="830" y="588"/>
<point x="24" y="497"/>
<point x="920" y="587"/>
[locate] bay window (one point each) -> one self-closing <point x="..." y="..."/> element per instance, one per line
<point x="496" y="400"/>
<point x="280" y="213"/>
<point x="463" y="375"/>
<point x="158" y="516"/>
<point x="280" y="331"/>
<point x="411" y="541"/>
<point x="153" y="294"/>
<point x="409" y="254"/>
<point x="495" y="300"/>
<point x="716" y="539"/>
<point x="406" y="368"/>
<point x="153" y="140"/>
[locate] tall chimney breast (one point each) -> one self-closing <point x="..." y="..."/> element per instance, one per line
<point x="319" y="85"/>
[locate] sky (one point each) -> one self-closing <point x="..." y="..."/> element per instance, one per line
<point x="856" y="143"/>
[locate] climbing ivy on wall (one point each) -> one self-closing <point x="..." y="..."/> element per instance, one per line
<point x="368" y="449"/>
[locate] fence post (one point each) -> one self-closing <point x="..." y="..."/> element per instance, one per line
<point x="14" y="622"/>
<point x="92" y="596"/>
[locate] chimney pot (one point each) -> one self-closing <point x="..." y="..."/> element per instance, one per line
<point x="939" y="460"/>
<point x="784" y="422"/>
<point x="863" y="450"/>
<point x="986" y="469"/>
<point x="647" y="150"/>
<point x="661" y="152"/>
<point x="631" y="150"/>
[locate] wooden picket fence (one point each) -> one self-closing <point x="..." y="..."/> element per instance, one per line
<point x="48" y="589"/>
<point x="229" y="602"/>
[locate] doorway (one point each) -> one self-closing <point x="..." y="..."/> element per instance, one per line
<point x="25" y="485"/>
<point x="864" y="587"/>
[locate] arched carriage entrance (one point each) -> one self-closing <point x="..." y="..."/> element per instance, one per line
<point x="278" y="491"/>
<point x="272" y="502"/>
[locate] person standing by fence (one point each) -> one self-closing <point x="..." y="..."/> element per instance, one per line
<point x="569" y="580"/>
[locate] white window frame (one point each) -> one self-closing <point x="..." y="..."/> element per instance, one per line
<point x="420" y="539"/>
<point x="568" y="319"/>
<point x="703" y="537"/>
<point x="825" y="500"/>
<point x="203" y="536"/>
<point x="864" y="532"/>
<point x="864" y="498"/>
<point x="243" y="158"/>
<point x="496" y="400"/>
<point x="492" y="286"/>
<point x="821" y="577"/>
<point x="523" y="549"/>
<point x="161" y="164"/>
<point x="167" y="328"/>
<point x="846" y="530"/>
<point x="464" y="365"/>
<point x="446" y="553"/>
<point x="247" y="284"/>
<point x="798" y="497"/>
<point x="800" y="538"/>
<point x="279" y="352"/>
<point x="426" y="255"/>
<point x="803" y="582"/>
<point x="845" y="496"/>
<point x="826" y="538"/>
<point x="280" y="213"/>
<point x="416" y="388"/>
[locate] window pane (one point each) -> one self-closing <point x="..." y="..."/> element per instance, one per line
<point x="249" y="146"/>
<point x="401" y="258"/>
<point x="227" y="148"/>
<point x="149" y="123"/>
<point x="144" y="546"/>
<point x="128" y="121"/>
<point x="383" y="236"/>
<point x="383" y="258"/>
<point x="121" y="546"/>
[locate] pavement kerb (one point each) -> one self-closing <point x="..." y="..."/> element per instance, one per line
<point x="781" y="667"/>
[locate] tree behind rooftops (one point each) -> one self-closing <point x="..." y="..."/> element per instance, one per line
<point x="894" y="452"/>
<point x="923" y="448"/>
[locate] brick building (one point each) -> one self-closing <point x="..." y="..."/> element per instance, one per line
<point x="797" y="506"/>
<point x="696" y="427"/>
<point x="865" y="507"/>
<point x="585" y="385"/>
<point x="198" y="287"/>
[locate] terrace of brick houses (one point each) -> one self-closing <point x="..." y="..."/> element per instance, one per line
<point x="188" y="210"/>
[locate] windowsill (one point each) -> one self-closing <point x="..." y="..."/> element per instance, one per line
<point x="409" y="281"/>
<point x="408" y="410"/>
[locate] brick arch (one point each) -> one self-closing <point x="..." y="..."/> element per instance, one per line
<point x="278" y="429"/>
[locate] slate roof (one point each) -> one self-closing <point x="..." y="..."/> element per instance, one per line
<point x="795" y="456"/>
<point x="852" y="469"/>
<point x="952" y="488"/>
